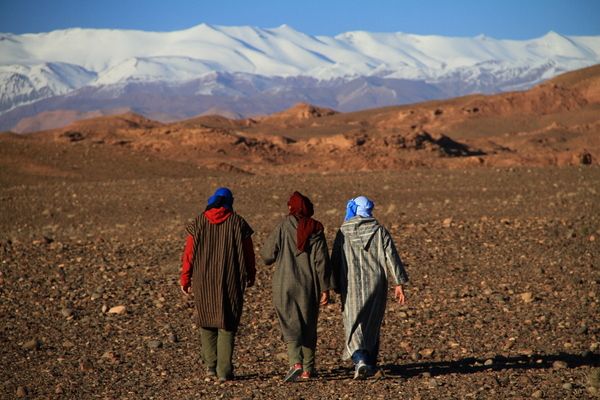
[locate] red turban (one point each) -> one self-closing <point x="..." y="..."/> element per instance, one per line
<point x="302" y="209"/>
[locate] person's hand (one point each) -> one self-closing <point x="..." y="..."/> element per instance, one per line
<point x="185" y="289"/>
<point x="399" y="294"/>
<point x="324" y="298"/>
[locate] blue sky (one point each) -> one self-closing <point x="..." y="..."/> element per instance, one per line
<point x="502" y="19"/>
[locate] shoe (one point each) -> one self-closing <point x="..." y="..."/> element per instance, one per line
<point x="360" y="370"/>
<point x="306" y="375"/>
<point x="293" y="373"/>
<point x="211" y="371"/>
<point x="225" y="378"/>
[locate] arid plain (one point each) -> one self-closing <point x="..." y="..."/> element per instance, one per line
<point x="494" y="203"/>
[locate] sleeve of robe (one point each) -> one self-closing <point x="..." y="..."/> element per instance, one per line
<point x="249" y="257"/>
<point x="322" y="262"/>
<point x="337" y="255"/>
<point x="393" y="261"/>
<point x="270" y="249"/>
<point x="185" y="278"/>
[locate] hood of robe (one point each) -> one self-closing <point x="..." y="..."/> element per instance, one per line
<point x="360" y="231"/>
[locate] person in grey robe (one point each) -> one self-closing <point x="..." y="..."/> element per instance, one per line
<point x="301" y="282"/>
<point x="363" y="257"/>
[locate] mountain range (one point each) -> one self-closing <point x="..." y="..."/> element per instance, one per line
<point x="50" y="79"/>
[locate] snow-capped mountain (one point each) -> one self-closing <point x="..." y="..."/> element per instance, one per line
<point x="213" y="59"/>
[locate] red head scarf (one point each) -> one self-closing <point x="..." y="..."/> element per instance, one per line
<point x="302" y="209"/>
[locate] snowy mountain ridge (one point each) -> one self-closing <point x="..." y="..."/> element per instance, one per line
<point x="44" y="65"/>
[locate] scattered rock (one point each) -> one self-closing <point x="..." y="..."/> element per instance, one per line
<point x="559" y="364"/>
<point x="426" y="353"/>
<point x="173" y="338"/>
<point x="111" y="357"/>
<point x="33" y="344"/>
<point x="593" y="378"/>
<point x="527" y="297"/>
<point x="85" y="364"/>
<point x="537" y="394"/>
<point x="21" y="392"/>
<point x="154" y="344"/>
<point x="488" y="362"/>
<point x="66" y="312"/>
<point x="281" y="357"/>
<point x="567" y="386"/>
<point x="432" y="383"/>
<point x="117" y="310"/>
<point x="446" y="223"/>
<point x="582" y="330"/>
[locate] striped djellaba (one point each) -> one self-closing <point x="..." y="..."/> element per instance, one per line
<point x="363" y="256"/>
<point x="219" y="270"/>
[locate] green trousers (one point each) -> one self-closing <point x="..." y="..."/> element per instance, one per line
<point x="217" y="350"/>
<point x="302" y="355"/>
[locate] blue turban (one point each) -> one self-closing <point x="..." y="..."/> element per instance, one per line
<point x="222" y="198"/>
<point x="360" y="206"/>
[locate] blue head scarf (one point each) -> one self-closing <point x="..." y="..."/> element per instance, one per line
<point x="222" y="198"/>
<point x="360" y="206"/>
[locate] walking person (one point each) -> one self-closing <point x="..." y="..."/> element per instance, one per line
<point x="301" y="282"/>
<point x="363" y="257"/>
<point x="217" y="266"/>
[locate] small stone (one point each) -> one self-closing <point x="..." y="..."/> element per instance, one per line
<point x="488" y="362"/>
<point x="537" y="394"/>
<point x="592" y="238"/>
<point x="154" y="344"/>
<point x="281" y="356"/>
<point x="117" y="310"/>
<point x="67" y="344"/>
<point x="593" y="378"/>
<point x="582" y="330"/>
<point x="571" y="234"/>
<point x="432" y="383"/>
<point x="426" y="352"/>
<point x="111" y="357"/>
<point x="559" y="364"/>
<point x="173" y="338"/>
<point x="85" y="364"/>
<point x="567" y="386"/>
<point x="104" y="308"/>
<point x="66" y="312"/>
<point x="32" y="344"/>
<point x="402" y="314"/>
<point x="593" y="347"/>
<point x="59" y="389"/>
<point x="527" y="297"/>
<point x="446" y="223"/>
<point x="21" y="392"/>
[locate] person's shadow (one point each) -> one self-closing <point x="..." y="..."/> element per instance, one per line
<point x="472" y="365"/>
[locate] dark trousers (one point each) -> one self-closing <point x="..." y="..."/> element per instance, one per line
<point x="217" y="350"/>
<point x="298" y="354"/>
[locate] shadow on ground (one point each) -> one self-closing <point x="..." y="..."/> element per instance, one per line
<point x="472" y="365"/>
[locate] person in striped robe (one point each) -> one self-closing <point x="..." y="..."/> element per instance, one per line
<point x="301" y="282"/>
<point x="218" y="265"/>
<point x="363" y="257"/>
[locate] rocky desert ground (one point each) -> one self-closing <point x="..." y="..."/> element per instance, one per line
<point x="502" y="247"/>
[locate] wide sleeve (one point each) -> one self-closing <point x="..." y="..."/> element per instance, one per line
<point x="322" y="262"/>
<point x="187" y="263"/>
<point x="250" y="260"/>
<point x="337" y="260"/>
<point x="271" y="247"/>
<point x="392" y="258"/>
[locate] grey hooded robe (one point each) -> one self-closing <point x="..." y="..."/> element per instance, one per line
<point x="298" y="281"/>
<point x="363" y="256"/>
